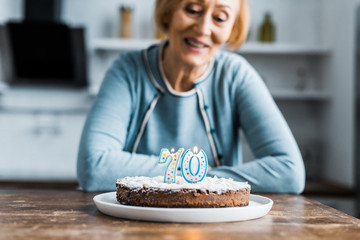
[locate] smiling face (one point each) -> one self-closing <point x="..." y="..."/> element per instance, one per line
<point x="198" y="28"/>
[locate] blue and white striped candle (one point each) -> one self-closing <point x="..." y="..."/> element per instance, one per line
<point x="172" y="159"/>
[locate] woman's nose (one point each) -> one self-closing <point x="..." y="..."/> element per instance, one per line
<point x="204" y="25"/>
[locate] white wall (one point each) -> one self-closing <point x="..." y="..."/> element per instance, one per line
<point x="102" y="18"/>
<point x="339" y="26"/>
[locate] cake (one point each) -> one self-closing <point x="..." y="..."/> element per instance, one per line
<point x="209" y="193"/>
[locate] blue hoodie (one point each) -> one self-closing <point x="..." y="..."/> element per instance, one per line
<point x="136" y="113"/>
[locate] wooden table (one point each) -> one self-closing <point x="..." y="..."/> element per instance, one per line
<point x="66" y="213"/>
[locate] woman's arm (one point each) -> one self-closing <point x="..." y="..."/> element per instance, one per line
<point x="278" y="166"/>
<point x="101" y="158"/>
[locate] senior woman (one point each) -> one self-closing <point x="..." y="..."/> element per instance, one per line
<point x="184" y="92"/>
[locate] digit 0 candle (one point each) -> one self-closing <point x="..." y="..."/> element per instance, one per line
<point x="188" y="160"/>
<point x="171" y="158"/>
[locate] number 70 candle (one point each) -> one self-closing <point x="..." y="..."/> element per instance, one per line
<point x="187" y="161"/>
<point x="165" y="155"/>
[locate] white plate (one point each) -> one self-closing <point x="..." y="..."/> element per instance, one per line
<point x="258" y="207"/>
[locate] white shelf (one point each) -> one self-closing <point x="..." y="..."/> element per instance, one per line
<point x="282" y="48"/>
<point x="293" y="94"/>
<point x="118" y="44"/>
<point x="36" y="99"/>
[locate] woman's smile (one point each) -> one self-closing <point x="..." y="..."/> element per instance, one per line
<point x="195" y="45"/>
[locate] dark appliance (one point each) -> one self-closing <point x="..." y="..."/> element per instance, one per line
<point x="40" y="50"/>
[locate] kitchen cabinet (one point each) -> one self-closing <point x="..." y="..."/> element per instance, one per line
<point x="40" y="130"/>
<point x="39" y="145"/>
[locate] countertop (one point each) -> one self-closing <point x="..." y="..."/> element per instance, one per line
<point x="64" y="212"/>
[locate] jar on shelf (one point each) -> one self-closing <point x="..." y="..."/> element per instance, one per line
<point x="126" y="13"/>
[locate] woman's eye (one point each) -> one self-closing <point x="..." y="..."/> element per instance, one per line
<point x="221" y="18"/>
<point x="192" y="9"/>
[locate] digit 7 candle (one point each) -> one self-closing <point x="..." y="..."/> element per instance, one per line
<point x="165" y="155"/>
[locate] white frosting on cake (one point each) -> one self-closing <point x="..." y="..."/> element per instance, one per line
<point x="208" y="184"/>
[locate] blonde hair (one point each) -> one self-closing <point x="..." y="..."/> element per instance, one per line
<point x="164" y="10"/>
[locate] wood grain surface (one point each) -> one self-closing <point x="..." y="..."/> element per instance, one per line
<point x="45" y="213"/>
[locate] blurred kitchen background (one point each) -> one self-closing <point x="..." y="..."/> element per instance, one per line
<point x="54" y="53"/>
